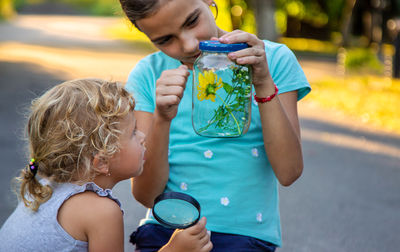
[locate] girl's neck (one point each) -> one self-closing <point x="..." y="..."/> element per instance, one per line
<point x="105" y="182"/>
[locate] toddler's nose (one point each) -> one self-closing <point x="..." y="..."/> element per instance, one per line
<point x="141" y="136"/>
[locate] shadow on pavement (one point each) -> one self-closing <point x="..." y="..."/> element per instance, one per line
<point x="347" y="198"/>
<point x="363" y="135"/>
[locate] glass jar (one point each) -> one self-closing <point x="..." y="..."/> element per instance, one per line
<point x="221" y="92"/>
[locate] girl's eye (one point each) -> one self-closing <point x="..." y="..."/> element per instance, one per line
<point x="190" y="23"/>
<point x="134" y="133"/>
<point x="193" y="21"/>
<point x="164" y="40"/>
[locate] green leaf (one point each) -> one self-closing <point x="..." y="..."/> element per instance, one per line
<point x="227" y="87"/>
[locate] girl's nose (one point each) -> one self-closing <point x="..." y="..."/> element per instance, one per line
<point x="189" y="43"/>
<point x="141" y="136"/>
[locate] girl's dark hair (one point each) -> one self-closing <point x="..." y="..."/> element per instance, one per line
<point x="138" y="9"/>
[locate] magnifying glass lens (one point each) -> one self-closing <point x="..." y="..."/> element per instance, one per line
<point x="176" y="210"/>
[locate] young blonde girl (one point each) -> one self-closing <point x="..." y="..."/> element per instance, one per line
<point x="83" y="140"/>
<point x="235" y="180"/>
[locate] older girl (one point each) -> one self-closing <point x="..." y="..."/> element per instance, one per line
<point x="235" y="180"/>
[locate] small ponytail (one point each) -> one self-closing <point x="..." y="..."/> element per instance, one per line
<point x="32" y="192"/>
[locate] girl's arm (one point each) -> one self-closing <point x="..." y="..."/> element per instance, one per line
<point x="97" y="220"/>
<point x="169" y="92"/>
<point x="105" y="228"/>
<point x="152" y="181"/>
<point x="280" y="125"/>
<point x="281" y="133"/>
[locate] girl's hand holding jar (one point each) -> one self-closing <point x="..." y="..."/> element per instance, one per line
<point x="254" y="55"/>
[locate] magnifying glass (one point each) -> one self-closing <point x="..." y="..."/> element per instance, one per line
<point x="176" y="210"/>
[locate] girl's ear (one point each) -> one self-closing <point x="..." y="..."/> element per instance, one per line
<point x="209" y="2"/>
<point x="100" y="164"/>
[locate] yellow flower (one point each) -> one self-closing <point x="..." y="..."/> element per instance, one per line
<point x="208" y="85"/>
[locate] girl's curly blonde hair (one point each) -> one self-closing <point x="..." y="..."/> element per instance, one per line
<point x="68" y="125"/>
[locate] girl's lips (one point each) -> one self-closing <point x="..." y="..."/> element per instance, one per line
<point x="196" y="56"/>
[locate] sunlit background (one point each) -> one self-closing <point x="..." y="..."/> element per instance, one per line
<point x="348" y="196"/>
<point x="360" y="36"/>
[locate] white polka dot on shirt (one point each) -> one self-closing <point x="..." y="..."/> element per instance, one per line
<point x="254" y="152"/>
<point x="225" y="201"/>
<point x="208" y="154"/>
<point x="183" y="186"/>
<point x="259" y="217"/>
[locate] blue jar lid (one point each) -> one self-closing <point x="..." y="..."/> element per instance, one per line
<point x="216" y="46"/>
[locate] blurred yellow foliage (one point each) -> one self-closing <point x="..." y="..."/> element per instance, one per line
<point x="310" y="45"/>
<point x="371" y="99"/>
<point x="6" y="9"/>
<point x="295" y="9"/>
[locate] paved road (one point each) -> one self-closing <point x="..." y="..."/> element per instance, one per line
<point x="348" y="198"/>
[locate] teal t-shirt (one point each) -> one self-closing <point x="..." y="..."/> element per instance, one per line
<point x="230" y="177"/>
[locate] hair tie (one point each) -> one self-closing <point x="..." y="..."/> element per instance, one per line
<point x="33" y="166"/>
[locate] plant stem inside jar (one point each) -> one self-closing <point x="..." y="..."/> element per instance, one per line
<point x="234" y="97"/>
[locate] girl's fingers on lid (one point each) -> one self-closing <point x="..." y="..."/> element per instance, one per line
<point x="229" y="37"/>
<point x="252" y="51"/>
<point x="241" y="37"/>
<point x="248" y="60"/>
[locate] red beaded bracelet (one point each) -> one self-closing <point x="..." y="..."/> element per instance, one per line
<point x="268" y="98"/>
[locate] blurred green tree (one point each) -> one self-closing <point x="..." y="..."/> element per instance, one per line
<point x="316" y="19"/>
<point x="96" y="7"/>
<point x="309" y="18"/>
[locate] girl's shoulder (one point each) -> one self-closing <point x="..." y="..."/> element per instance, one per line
<point x="275" y="48"/>
<point x="90" y="205"/>
<point x="91" y="199"/>
<point x="86" y="211"/>
<point x="157" y="61"/>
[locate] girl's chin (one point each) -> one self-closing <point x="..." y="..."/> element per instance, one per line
<point x="190" y="60"/>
